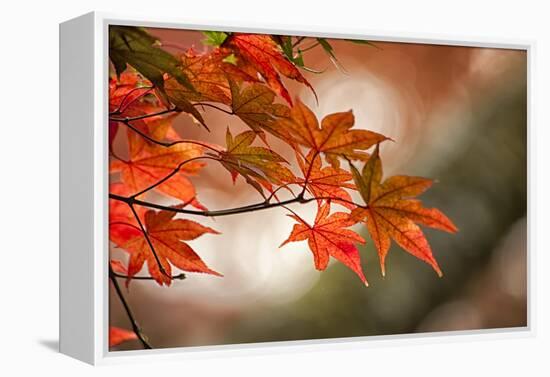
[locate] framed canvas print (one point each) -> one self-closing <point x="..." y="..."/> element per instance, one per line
<point x="227" y="187"/>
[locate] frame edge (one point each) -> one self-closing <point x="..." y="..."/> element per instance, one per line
<point x="76" y="189"/>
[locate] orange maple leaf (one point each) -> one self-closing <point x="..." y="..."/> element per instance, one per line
<point x="118" y="335"/>
<point x="125" y="99"/>
<point x="208" y="73"/>
<point x="391" y="213"/>
<point x="148" y="164"/>
<point x="334" y="138"/>
<point x="126" y="90"/>
<point x="267" y="58"/>
<point x="328" y="237"/>
<point x="167" y="236"/>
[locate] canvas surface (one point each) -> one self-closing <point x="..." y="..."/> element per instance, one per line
<point x="272" y="188"/>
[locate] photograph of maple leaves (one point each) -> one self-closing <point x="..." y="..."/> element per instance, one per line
<point x="274" y="188"/>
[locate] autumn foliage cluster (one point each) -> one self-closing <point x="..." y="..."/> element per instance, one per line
<point x="242" y="75"/>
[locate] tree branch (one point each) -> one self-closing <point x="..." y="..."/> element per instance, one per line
<point x="135" y="326"/>
<point x="144" y="116"/>
<point x="181" y="276"/>
<point x="226" y="212"/>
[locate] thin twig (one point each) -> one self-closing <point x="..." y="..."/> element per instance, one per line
<point x="272" y="195"/>
<point x="214" y="107"/>
<point x="181" y="276"/>
<point x="172" y="173"/>
<point x="310" y="47"/>
<point x="118" y="109"/>
<point x="298" y="41"/>
<point x="144" y="116"/>
<point x="310" y="168"/>
<point x="170" y="143"/>
<point x="146" y="235"/>
<point x="135" y="326"/>
<point x="332" y="199"/>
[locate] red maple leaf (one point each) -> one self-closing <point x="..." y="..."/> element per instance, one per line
<point x="329" y="237"/>
<point x="167" y="238"/>
<point x="118" y="335"/>
<point x="149" y="164"/>
<point x="266" y="57"/>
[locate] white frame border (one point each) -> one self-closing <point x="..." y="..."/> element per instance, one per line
<point x="101" y="355"/>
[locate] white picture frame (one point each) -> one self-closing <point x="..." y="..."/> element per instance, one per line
<point x="84" y="179"/>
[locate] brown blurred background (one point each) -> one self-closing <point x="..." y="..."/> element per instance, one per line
<point x="458" y="115"/>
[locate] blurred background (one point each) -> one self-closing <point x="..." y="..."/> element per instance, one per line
<point x="457" y="115"/>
